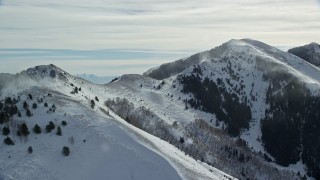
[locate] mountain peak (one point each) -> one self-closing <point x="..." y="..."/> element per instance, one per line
<point x="237" y="42"/>
<point x="309" y="52"/>
<point x="314" y="44"/>
<point x="42" y="71"/>
<point x="43" y="67"/>
<point x="243" y="41"/>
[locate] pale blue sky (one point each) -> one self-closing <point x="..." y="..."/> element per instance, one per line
<point x="142" y="33"/>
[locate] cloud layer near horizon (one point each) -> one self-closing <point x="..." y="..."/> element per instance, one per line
<point x="156" y="24"/>
<point x="146" y="25"/>
<point x="108" y="62"/>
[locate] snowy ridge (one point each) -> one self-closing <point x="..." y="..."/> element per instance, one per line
<point x="100" y="147"/>
<point x="96" y="133"/>
<point x="297" y="65"/>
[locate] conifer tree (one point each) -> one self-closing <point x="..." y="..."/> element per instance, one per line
<point x="59" y="132"/>
<point x="37" y="129"/>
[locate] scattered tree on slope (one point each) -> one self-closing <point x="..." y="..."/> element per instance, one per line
<point x="214" y="98"/>
<point x="8" y="141"/>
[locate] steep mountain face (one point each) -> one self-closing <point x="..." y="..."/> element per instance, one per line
<point x="271" y="95"/>
<point x="310" y="53"/>
<point x="56" y="126"/>
<point x="264" y="95"/>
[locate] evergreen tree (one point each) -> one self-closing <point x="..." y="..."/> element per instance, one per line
<point x="45" y="104"/>
<point x="8" y="100"/>
<point x="50" y="127"/>
<point x="53" y="107"/>
<point x="24" y="129"/>
<point x="13" y="109"/>
<point x="65" y="151"/>
<point x="30" y="96"/>
<point x="3" y="117"/>
<point x="37" y="129"/>
<point x="25" y="105"/>
<point x="30" y="150"/>
<point x="51" y="124"/>
<point x="5" y="131"/>
<point x="92" y="104"/>
<point x="64" y="123"/>
<point x="59" y="132"/>
<point x="8" y="141"/>
<point x="181" y="140"/>
<point x="34" y="106"/>
<point x="28" y="113"/>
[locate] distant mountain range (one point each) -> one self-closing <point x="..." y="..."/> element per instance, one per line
<point x="96" y="79"/>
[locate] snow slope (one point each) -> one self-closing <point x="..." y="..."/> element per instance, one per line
<point x="164" y="97"/>
<point x="108" y="151"/>
<point x="105" y="146"/>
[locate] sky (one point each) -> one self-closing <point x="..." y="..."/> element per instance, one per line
<point x="114" y="37"/>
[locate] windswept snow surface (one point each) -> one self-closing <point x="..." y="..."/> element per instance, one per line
<point x="107" y="153"/>
<point x="294" y="64"/>
<point x="105" y="146"/>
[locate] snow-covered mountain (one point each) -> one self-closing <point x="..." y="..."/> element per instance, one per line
<point x="245" y="108"/>
<point x="309" y="52"/>
<point x="96" y="79"/>
<point x="79" y="137"/>
<point x="266" y="96"/>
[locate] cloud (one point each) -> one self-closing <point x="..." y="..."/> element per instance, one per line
<point x="70" y="54"/>
<point x="89" y="66"/>
<point x="108" y="62"/>
<point x="157" y="25"/>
